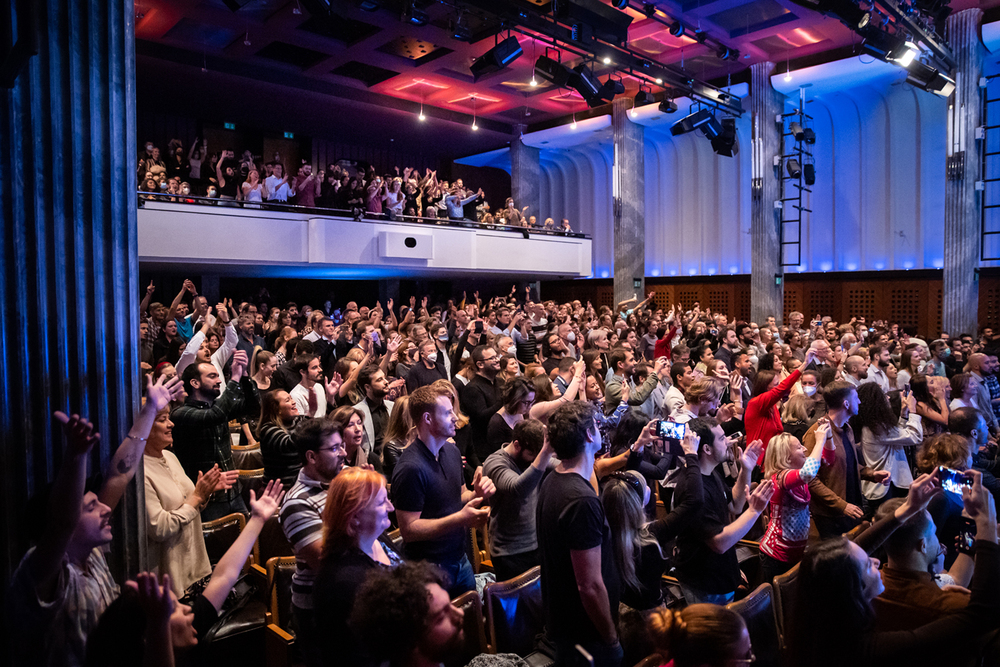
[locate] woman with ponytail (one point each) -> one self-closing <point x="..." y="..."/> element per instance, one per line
<point x="701" y="635"/>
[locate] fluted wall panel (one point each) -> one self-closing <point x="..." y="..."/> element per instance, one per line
<point x="68" y="268"/>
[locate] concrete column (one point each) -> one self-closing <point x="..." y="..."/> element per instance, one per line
<point x="766" y="297"/>
<point x="963" y="205"/>
<point x="69" y="290"/>
<point x="525" y="173"/>
<point x="629" y="203"/>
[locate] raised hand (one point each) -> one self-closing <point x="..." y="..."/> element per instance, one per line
<point x="922" y="490"/>
<point x="151" y="288"/>
<point x="393" y="344"/>
<point x="625" y="392"/>
<point x="189" y="286"/>
<point x="332" y="388"/>
<point x="413" y="302"/>
<point x="222" y="312"/>
<point x="265" y="506"/>
<point x="423" y="302"/>
<point x="154" y="597"/>
<point x="80" y="434"/>
<point x="388" y="305"/>
<point x="163" y="391"/>
<point x="690" y="442"/>
<point x="227" y="479"/>
<point x="239" y="362"/>
<point x="483" y="485"/>
<point x="749" y="457"/>
<point x="824" y="435"/>
<point x="761" y="495"/>
<point x="207" y="484"/>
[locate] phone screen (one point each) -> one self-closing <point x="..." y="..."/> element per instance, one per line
<point x="966" y="536"/>
<point x="953" y="481"/>
<point x="671" y="429"/>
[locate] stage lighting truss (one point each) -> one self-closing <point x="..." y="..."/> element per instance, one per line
<point x="796" y="171"/>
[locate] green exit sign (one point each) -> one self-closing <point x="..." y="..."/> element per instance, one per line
<point x="229" y="126"/>
<point x="289" y="135"/>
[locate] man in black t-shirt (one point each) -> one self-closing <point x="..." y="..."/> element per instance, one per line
<point x="706" y="549"/>
<point x="580" y="585"/>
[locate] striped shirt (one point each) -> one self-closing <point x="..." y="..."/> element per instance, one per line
<point x="301" y="518"/>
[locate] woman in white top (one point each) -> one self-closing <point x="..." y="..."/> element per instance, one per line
<point x="963" y="392"/>
<point x="884" y="437"/>
<point x="174" y="540"/>
<point x="394" y="197"/>
<point x="253" y="189"/>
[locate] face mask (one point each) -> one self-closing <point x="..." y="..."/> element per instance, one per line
<point x="512" y="350"/>
<point x="375" y="337"/>
<point x="213" y="193"/>
<point x="163" y="185"/>
<point x="808" y="391"/>
<point x="571" y="337"/>
<point x="947" y="352"/>
<point x="149" y="148"/>
<point x="432" y="357"/>
<point x="465" y="355"/>
<point x="443" y="338"/>
<point x="186" y="190"/>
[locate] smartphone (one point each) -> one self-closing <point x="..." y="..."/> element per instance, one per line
<point x="671" y="429"/>
<point x="817" y="323"/>
<point x="953" y="481"/>
<point x="966" y="539"/>
<point x="479" y="327"/>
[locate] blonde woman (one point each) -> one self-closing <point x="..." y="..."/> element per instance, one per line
<point x="790" y="467"/>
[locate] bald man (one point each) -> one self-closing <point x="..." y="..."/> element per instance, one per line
<point x="855" y="369"/>
<point x="822" y="355"/>
<point x="979" y="366"/>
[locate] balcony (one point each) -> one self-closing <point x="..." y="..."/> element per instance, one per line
<point x="290" y="241"/>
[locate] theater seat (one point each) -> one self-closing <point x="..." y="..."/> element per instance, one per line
<point x="757" y="612"/>
<point x="272" y="542"/>
<point x="480" y="559"/>
<point x="472" y="624"/>
<point x="221" y="533"/>
<point x="514" y="613"/>
<point x="654" y="660"/>
<point x="252" y="479"/>
<point x="247" y="457"/>
<point x="784" y="595"/>
<point x="279" y="639"/>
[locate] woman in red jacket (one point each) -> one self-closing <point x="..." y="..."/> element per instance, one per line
<point x="762" y="416"/>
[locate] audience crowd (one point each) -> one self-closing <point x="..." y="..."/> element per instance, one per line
<point x="358" y="189"/>
<point x="609" y="446"/>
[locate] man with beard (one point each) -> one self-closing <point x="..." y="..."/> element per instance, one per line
<point x="312" y="393"/>
<point x="433" y="507"/>
<point x="374" y="407"/>
<point x="405" y="618"/>
<point x="321" y="449"/>
<point x="517" y="470"/>
<point x="876" y="372"/>
<point x="201" y="427"/>
<point x="248" y="339"/>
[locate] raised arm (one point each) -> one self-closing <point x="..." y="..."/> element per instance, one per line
<point x="144" y="304"/>
<point x="122" y="467"/>
<point x="230" y="566"/>
<point x="187" y="287"/>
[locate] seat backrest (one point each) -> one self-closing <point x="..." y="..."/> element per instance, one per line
<point x="784" y="595"/>
<point x="251" y="479"/>
<point x="514" y="613"/>
<point x="247" y="457"/>
<point x="653" y="660"/>
<point x="279" y="582"/>
<point x="472" y="624"/>
<point x="272" y="542"/>
<point x="220" y="535"/>
<point x="855" y="532"/>
<point x="757" y="612"/>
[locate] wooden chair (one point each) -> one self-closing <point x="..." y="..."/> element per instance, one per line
<point x="279" y="641"/>
<point x="251" y="479"/>
<point x="854" y="533"/>
<point x="481" y="561"/>
<point x="247" y="457"/>
<point x="396" y="541"/>
<point x="514" y="613"/>
<point x="783" y="602"/>
<point x="757" y="612"/>
<point x="272" y="542"/>
<point x="472" y="624"/>
<point x="221" y="533"/>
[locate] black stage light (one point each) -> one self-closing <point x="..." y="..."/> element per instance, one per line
<point x="552" y="71"/>
<point x="676" y="29"/>
<point x="418" y="17"/>
<point x="927" y="78"/>
<point x="793" y="167"/>
<point x="642" y="98"/>
<point x="809" y="169"/>
<point x="608" y="24"/>
<point x="727" y="143"/>
<point x="494" y="60"/>
<point x="668" y="106"/>
<point x="691" y="122"/>
<point x="809" y="135"/>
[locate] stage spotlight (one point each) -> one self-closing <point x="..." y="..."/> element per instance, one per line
<point x="726" y="143"/>
<point x="590" y="87"/>
<point x="418" y="17"/>
<point x="929" y="79"/>
<point x="809" y="170"/>
<point x="809" y="135"/>
<point x="795" y="129"/>
<point x="668" y="106"/>
<point x="711" y="129"/>
<point x="793" y="167"/>
<point x="642" y="98"/>
<point x="496" y="58"/>
<point x="619" y="4"/>
<point x="676" y="29"/>
<point x="701" y="36"/>
<point x="691" y="122"/>
<point x="649" y="9"/>
<point x="727" y="53"/>
<point x="882" y="45"/>
<point x="552" y="71"/>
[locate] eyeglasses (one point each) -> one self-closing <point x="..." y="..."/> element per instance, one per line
<point x="338" y="448"/>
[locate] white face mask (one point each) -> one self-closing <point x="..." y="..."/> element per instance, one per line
<point x="808" y="390"/>
<point x="432" y="357"/>
<point x="571" y="337"/>
<point x="465" y="355"/>
<point x="185" y="190"/>
<point x="512" y="350"/>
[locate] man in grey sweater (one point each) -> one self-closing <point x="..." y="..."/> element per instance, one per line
<point x="516" y="469"/>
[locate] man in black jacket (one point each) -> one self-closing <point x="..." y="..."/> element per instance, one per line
<point x="481" y="398"/>
<point x="428" y="369"/>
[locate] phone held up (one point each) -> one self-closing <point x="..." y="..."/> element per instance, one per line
<point x="953" y="481"/>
